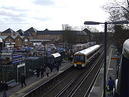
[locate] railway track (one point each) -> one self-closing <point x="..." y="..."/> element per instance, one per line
<point x="69" y="86"/>
<point x="86" y="84"/>
<point x="62" y="83"/>
<point x="82" y="86"/>
<point x="55" y="83"/>
<point x="71" y="83"/>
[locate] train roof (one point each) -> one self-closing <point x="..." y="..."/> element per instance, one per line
<point x="88" y="50"/>
<point x="55" y="55"/>
<point x="125" y="51"/>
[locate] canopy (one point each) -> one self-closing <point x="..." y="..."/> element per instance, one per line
<point x="56" y="55"/>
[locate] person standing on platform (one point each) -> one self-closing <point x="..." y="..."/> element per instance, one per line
<point x="37" y="72"/>
<point x="23" y="80"/>
<point x="57" y="66"/>
<point x="5" y="88"/>
<point x="1" y="84"/>
<point x="42" y="71"/>
<point x="47" y="71"/>
<point x="111" y="85"/>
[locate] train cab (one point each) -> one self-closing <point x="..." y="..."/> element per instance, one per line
<point x="79" y="60"/>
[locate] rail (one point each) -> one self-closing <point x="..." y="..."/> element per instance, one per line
<point x="38" y="90"/>
<point x="77" y="85"/>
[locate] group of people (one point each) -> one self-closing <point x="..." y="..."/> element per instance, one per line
<point x="42" y="70"/>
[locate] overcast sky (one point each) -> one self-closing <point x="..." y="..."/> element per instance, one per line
<point x="51" y="14"/>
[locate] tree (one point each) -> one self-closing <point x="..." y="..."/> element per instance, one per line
<point x="69" y="35"/>
<point x="118" y="11"/>
<point x="120" y="35"/>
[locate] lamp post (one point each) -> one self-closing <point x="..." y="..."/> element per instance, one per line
<point x="105" y="45"/>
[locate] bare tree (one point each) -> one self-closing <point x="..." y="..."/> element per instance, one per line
<point x="69" y="35"/>
<point x="118" y="11"/>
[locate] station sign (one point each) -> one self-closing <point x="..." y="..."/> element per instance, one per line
<point x="115" y="58"/>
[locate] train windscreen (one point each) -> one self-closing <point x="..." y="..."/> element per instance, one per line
<point x="79" y="58"/>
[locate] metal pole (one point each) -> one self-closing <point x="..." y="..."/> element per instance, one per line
<point x="17" y="74"/>
<point x="24" y="69"/>
<point x="105" y="54"/>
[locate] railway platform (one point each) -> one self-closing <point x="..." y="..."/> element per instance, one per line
<point x="97" y="89"/>
<point x="33" y="82"/>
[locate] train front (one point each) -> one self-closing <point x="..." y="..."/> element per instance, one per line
<point x="79" y="60"/>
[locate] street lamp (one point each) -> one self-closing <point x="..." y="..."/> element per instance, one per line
<point x="105" y="44"/>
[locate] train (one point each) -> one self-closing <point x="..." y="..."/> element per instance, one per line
<point x="83" y="57"/>
<point x="82" y="46"/>
<point x="122" y="83"/>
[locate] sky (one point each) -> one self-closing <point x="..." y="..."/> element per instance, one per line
<point x="50" y="14"/>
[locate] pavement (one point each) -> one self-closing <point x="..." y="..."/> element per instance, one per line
<point x="97" y="89"/>
<point x="33" y="81"/>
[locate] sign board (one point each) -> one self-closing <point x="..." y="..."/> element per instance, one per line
<point x="8" y="43"/>
<point x="21" y="65"/>
<point x="6" y="54"/>
<point x="115" y="58"/>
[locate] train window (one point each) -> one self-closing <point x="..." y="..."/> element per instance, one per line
<point x="79" y="58"/>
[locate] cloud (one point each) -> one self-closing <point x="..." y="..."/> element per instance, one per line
<point x="12" y="8"/>
<point x="9" y="13"/>
<point x="44" y="2"/>
<point x="12" y="15"/>
<point x="50" y="13"/>
<point x="41" y="18"/>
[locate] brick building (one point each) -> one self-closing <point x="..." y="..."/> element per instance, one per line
<point x="20" y="37"/>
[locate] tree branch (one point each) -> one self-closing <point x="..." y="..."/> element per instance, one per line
<point x="125" y="9"/>
<point x="128" y="2"/>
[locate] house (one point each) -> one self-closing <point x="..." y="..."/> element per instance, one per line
<point x="31" y="33"/>
<point x="8" y="32"/>
<point x="15" y="41"/>
<point x="20" y="32"/>
<point x="54" y="36"/>
<point x="9" y="41"/>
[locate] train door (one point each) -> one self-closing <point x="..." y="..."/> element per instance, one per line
<point x="85" y="60"/>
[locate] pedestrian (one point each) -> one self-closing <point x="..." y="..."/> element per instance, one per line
<point x="47" y="71"/>
<point x="50" y="65"/>
<point x="1" y="84"/>
<point x="23" y="82"/>
<point x="42" y="71"/>
<point x="57" y="66"/>
<point x="37" y="72"/>
<point x="111" y="85"/>
<point x="5" y="88"/>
